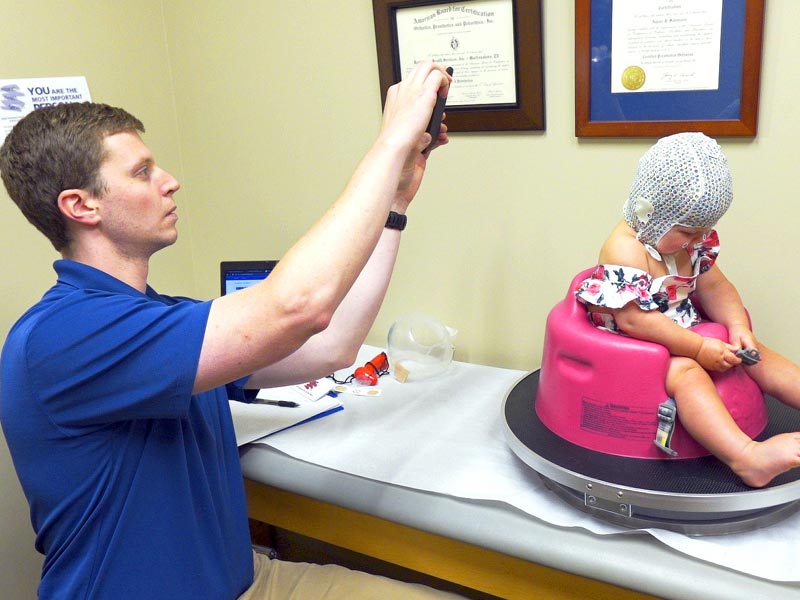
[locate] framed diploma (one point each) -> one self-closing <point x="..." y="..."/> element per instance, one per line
<point x="650" y="68"/>
<point x="494" y="47"/>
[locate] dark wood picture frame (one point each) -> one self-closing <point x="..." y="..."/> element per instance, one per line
<point x="527" y="113"/>
<point x="745" y="125"/>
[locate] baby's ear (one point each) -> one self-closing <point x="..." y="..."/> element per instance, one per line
<point x="643" y="209"/>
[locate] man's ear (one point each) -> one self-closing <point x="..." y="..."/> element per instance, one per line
<point x="79" y="205"/>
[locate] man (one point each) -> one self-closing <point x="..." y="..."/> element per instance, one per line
<point x="113" y="400"/>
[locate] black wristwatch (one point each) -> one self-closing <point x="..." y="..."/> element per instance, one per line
<point x="396" y="221"/>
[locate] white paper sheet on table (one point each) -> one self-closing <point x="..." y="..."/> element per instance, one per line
<point x="255" y="421"/>
<point x="426" y="435"/>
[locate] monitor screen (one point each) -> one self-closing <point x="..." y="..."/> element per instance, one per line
<point x="239" y="274"/>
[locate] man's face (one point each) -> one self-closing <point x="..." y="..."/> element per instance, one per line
<point x="138" y="214"/>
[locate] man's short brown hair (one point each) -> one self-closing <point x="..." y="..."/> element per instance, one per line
<point x="56" y="148"/>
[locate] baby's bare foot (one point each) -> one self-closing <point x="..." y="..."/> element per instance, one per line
<point x="760" y="462"/>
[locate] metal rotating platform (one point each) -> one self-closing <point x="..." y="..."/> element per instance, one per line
<point x="698" y="496"/>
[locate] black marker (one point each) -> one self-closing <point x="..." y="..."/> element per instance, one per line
<point x="436" y="118"/>
<point x="284" y="403"/>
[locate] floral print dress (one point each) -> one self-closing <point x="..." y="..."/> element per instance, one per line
<point x="614" y="286"/>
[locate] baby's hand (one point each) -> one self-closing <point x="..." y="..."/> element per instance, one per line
<point x="716" y="355"/>
<point x="741" y="337"/>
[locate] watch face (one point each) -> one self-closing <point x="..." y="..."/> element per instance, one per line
<point x="396" y="221"/>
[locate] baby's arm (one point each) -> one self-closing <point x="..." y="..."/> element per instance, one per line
<point x="712" y="354"/>
<point x="721" y="303"/>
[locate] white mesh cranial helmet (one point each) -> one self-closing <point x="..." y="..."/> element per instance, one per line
<point x="682" y="180"/>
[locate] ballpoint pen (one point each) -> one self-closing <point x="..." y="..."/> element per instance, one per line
<point x="284" y="403"/>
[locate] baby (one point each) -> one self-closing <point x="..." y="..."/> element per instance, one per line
<point x="657" y="267"/>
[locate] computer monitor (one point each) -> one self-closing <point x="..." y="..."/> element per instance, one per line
<point x="238" y="274"/>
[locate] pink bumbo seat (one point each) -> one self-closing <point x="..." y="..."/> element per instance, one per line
<point x="602" y="390"/>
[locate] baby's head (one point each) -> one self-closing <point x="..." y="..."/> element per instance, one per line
<point x="682" y="180"/>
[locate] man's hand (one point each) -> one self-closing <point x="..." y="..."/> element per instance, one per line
<point x="409" y="105"/>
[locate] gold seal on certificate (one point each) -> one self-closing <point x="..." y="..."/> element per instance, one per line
<point x="633" y="77"/>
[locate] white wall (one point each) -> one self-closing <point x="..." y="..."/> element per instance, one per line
<point x="288" y="92"/>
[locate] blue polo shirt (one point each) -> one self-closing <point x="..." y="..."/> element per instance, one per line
<point x="134" y="484"/>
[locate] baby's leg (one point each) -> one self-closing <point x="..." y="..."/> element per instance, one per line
<point x="706" y="419"/>
<point x="777" y="376"/>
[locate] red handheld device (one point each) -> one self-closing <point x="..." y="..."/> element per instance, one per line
<point x="370" y="372"/>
